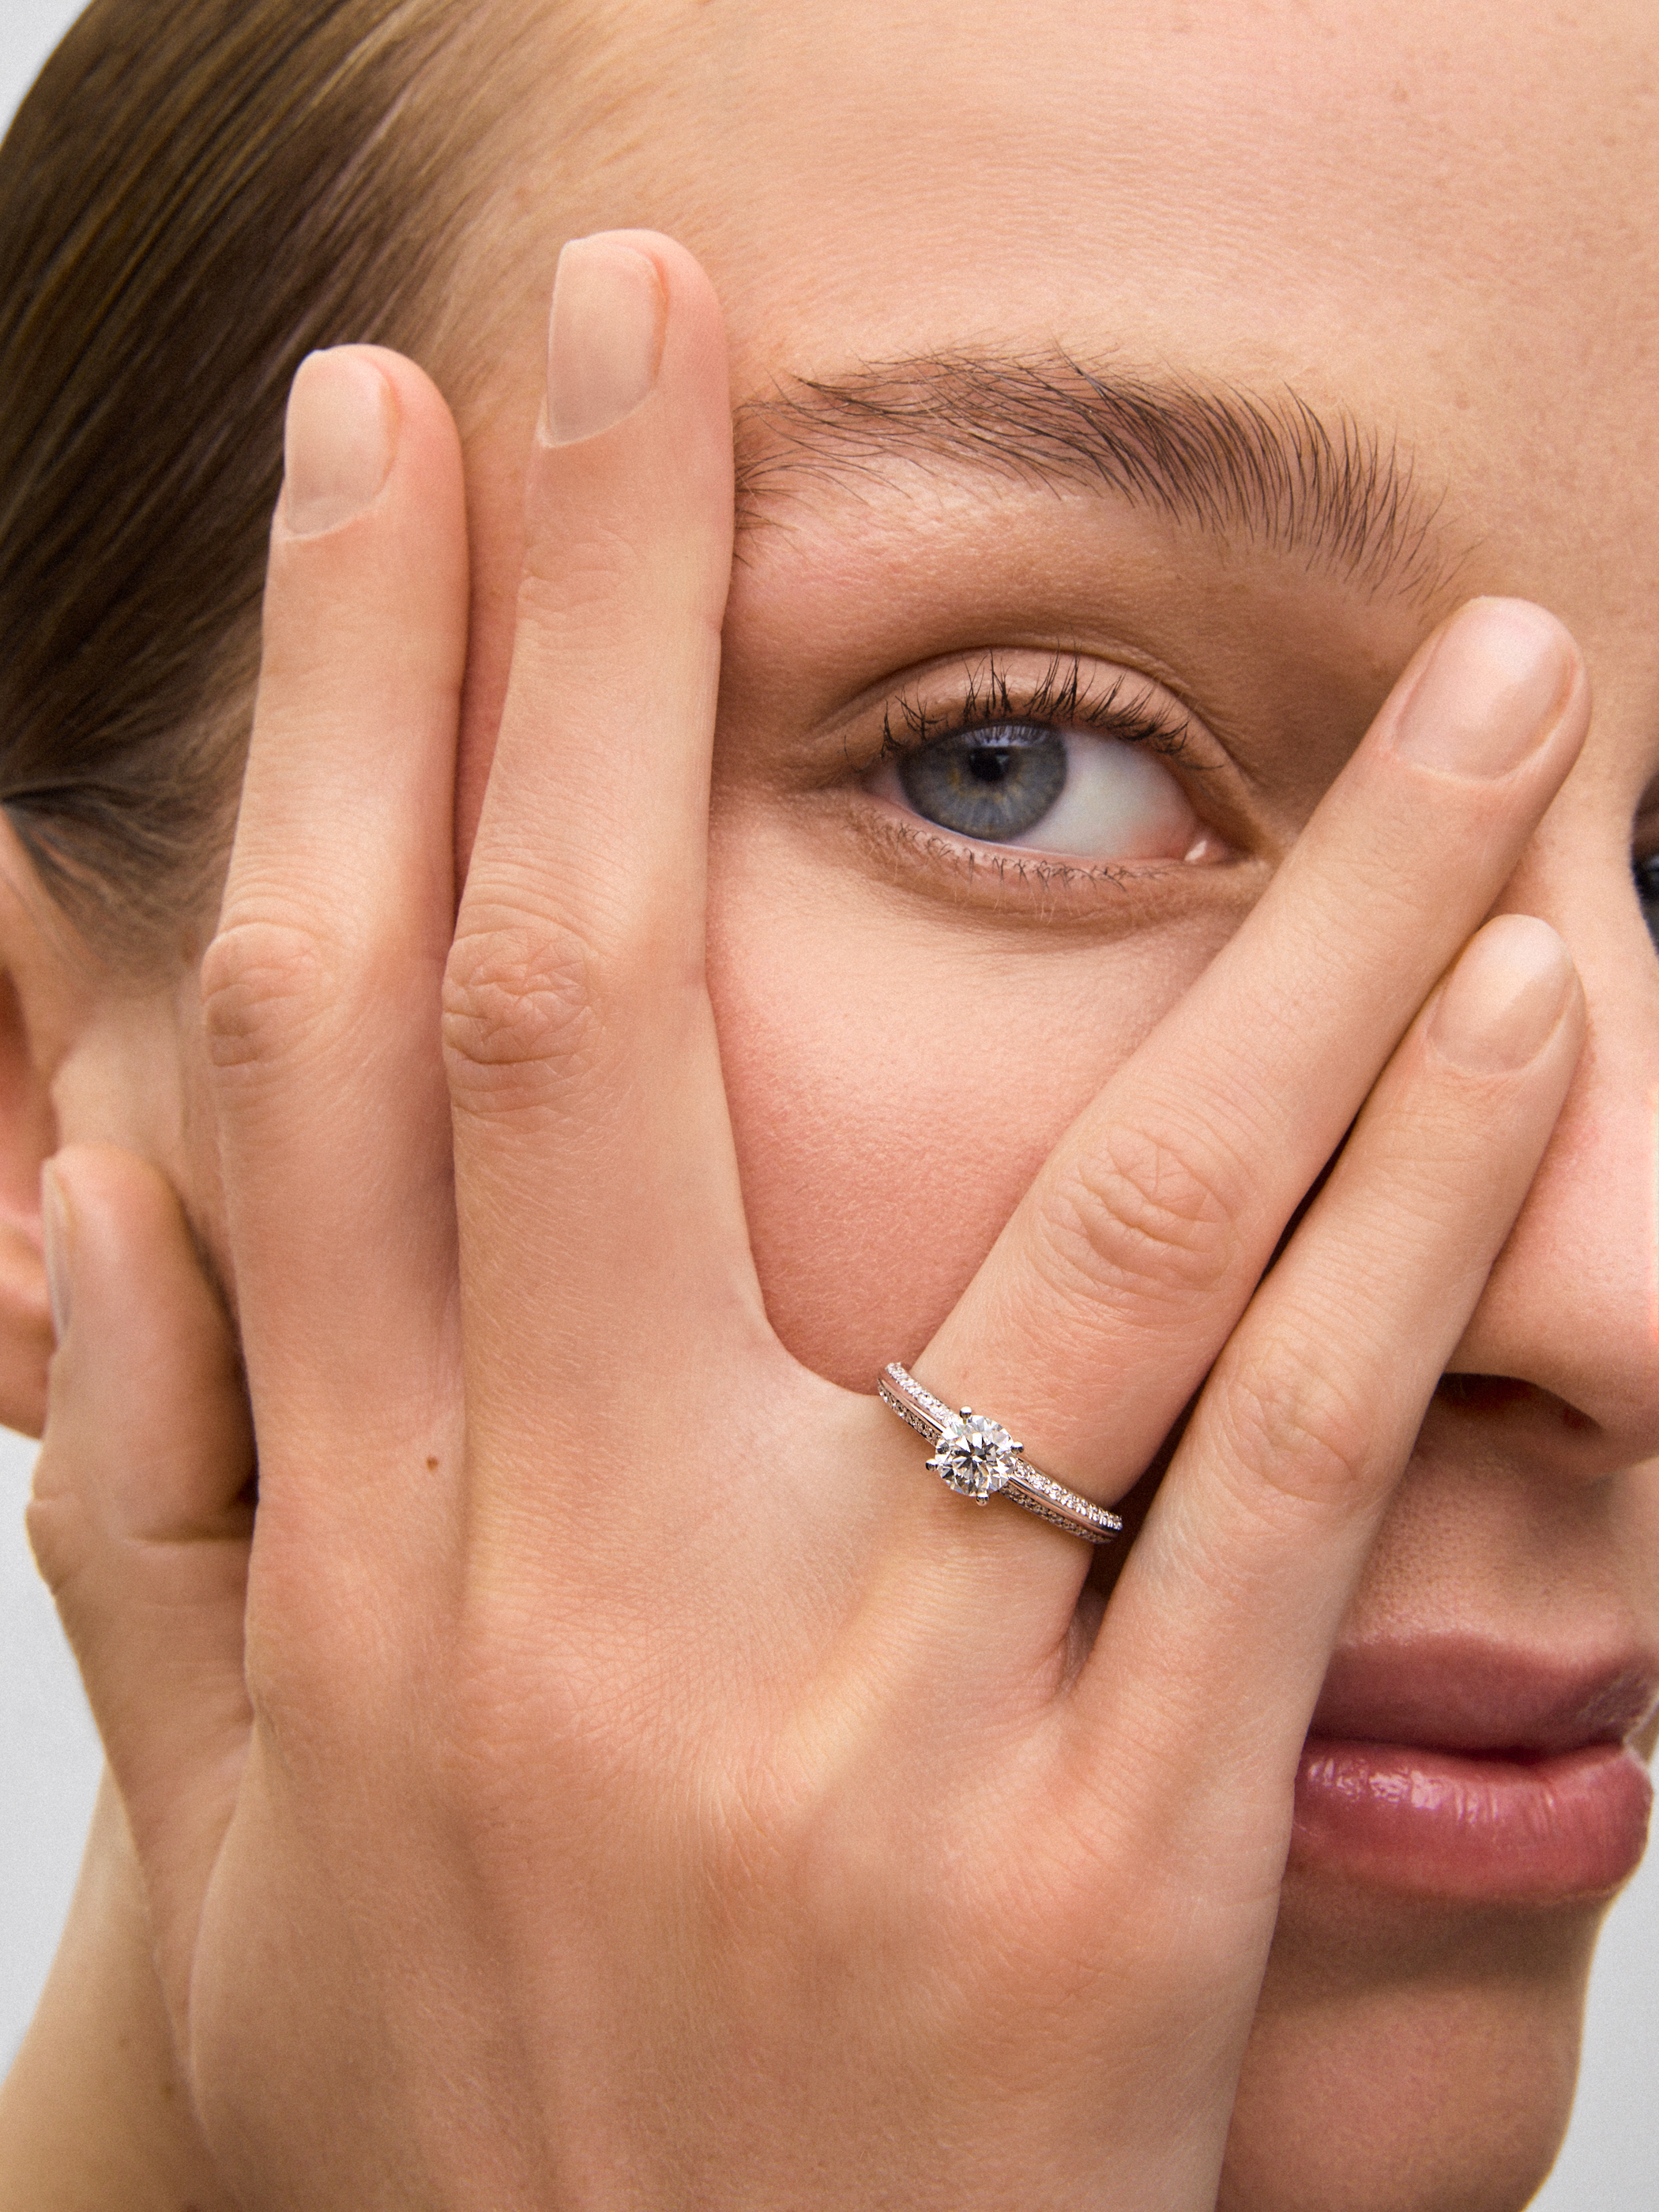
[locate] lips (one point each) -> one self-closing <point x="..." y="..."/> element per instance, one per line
<point x="1452" y="1769"/>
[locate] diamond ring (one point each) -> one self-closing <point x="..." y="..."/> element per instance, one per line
<point x="977" y="1457"/>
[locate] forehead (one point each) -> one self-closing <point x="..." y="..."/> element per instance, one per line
<point x="1440" y="224"/>
<point x="1428" y="211"/>
<point x="1172" y="168"/>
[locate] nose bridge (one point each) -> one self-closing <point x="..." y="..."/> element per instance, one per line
<point x="1572" y="1304"/>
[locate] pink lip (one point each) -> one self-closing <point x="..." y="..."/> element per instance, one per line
<point x="1455" y="1769"/>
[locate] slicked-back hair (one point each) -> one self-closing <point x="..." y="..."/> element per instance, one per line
<point x="193" y="196"/>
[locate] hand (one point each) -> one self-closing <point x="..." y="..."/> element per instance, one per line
<point x="94" y="2115"/>
<point x="641" y="1784"/>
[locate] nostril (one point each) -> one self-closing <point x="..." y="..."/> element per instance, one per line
<point x="1496" y="1393"/>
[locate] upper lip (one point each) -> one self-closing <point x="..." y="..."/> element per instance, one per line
<point x="1461" y="1694"/>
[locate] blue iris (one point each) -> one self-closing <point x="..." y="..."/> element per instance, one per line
<point x="993" y="783"/>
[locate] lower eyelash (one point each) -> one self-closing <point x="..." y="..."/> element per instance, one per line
<point x="1016" y="864"/>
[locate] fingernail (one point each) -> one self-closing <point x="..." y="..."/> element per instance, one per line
<point x="55" y="1245"/>
<point x="604" y="338"/>
<point x="1489" y="693"/>
<point x="342" y="422"/>
<point x="1504" y="997"/>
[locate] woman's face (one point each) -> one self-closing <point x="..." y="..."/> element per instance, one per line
<point x="1163" y="374"/>
<point x="1366" y="302"/>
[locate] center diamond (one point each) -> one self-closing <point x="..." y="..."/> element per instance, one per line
<point x="975" y="1455"/>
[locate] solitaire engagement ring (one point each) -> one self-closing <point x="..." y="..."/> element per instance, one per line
<point x="977" y="1457"/>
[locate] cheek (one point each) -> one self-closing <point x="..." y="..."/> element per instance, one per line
<point x="897" y="1075"/>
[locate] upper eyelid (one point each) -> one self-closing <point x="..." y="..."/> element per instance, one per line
<point x="1063" y="696"/>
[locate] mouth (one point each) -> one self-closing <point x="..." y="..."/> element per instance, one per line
<point x="1452" y="1769"/>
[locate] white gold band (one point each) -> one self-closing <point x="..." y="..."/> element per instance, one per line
<point x="979" y="1459"/>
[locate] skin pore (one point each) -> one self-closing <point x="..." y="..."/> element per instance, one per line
<point x="1445" y="251"/>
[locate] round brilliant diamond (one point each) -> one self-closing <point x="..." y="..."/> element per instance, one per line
<point x="975" y="1455"/>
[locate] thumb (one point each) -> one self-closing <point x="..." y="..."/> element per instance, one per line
<point x="142" y="1517"/>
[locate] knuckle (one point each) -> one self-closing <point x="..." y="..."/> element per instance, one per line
<point x="1136" y="1220"/>
<point x="1297" y="1430"/>
<point x="568" y="587"/>
<point x="265" y="987"/>
<point x="58" y="1535"/>
<point x="521" y="1015"/>
<point x="324" y="1675"/>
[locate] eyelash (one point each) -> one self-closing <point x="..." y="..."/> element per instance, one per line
<point x="1062" y="698"/>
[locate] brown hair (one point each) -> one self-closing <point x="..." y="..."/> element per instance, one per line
<point x="192" y="197"/>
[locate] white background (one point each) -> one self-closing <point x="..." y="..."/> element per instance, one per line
<point x="49" y="1752"/>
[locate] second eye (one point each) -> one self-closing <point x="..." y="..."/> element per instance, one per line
<point x="1067" y="792"/>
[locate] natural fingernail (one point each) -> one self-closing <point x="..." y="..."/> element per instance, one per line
<point x="1491" y="691"/>
<point x="1504" y="997"/>
<point x="55" y="1246"/>
<point x="604" y="339"/>
<point x="342" y="428"/>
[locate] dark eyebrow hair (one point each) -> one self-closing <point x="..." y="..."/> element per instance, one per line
<point x="1216" y="457"/>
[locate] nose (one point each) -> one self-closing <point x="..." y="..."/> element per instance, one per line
<point x="1570" y="1312"/>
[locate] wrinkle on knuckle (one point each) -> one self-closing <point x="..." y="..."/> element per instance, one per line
<point x="265" y="987"/>
<point x="567" y="591"/>
<point x="521" y="1014"/>
<point x="1295" y="1430"/>
<point x="1136" y="1220"/>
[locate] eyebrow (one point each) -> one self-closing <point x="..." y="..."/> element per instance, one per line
<point x="1267" y="467"/>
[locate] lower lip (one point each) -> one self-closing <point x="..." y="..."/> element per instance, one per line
<point x="1442" y="1824"/>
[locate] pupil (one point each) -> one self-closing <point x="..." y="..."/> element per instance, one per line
<point x="992" y="783"/>
<point x="987" y="764"/>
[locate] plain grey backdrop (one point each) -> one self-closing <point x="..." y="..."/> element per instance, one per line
<point x="49" y="1758"/>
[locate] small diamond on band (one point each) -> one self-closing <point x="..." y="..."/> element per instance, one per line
<point x="978" y="1458"/>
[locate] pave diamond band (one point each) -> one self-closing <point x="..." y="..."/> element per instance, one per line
<point x="977" y="1457"/>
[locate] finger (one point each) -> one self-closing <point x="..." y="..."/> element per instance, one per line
<point x="602" y="1226"/>
<point x="141" y="1516"/>
<point x="1129" y="1263"/>
<point x="321" y="989"/>
<point x="1218" y="1635"/>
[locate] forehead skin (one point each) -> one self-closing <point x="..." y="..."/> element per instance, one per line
<point x="1442" y="215"/>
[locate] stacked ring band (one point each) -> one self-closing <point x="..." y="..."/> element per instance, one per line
<point x="978" y="1459"/>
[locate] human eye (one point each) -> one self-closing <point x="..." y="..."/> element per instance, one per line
<point x="1055" y="761"/>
